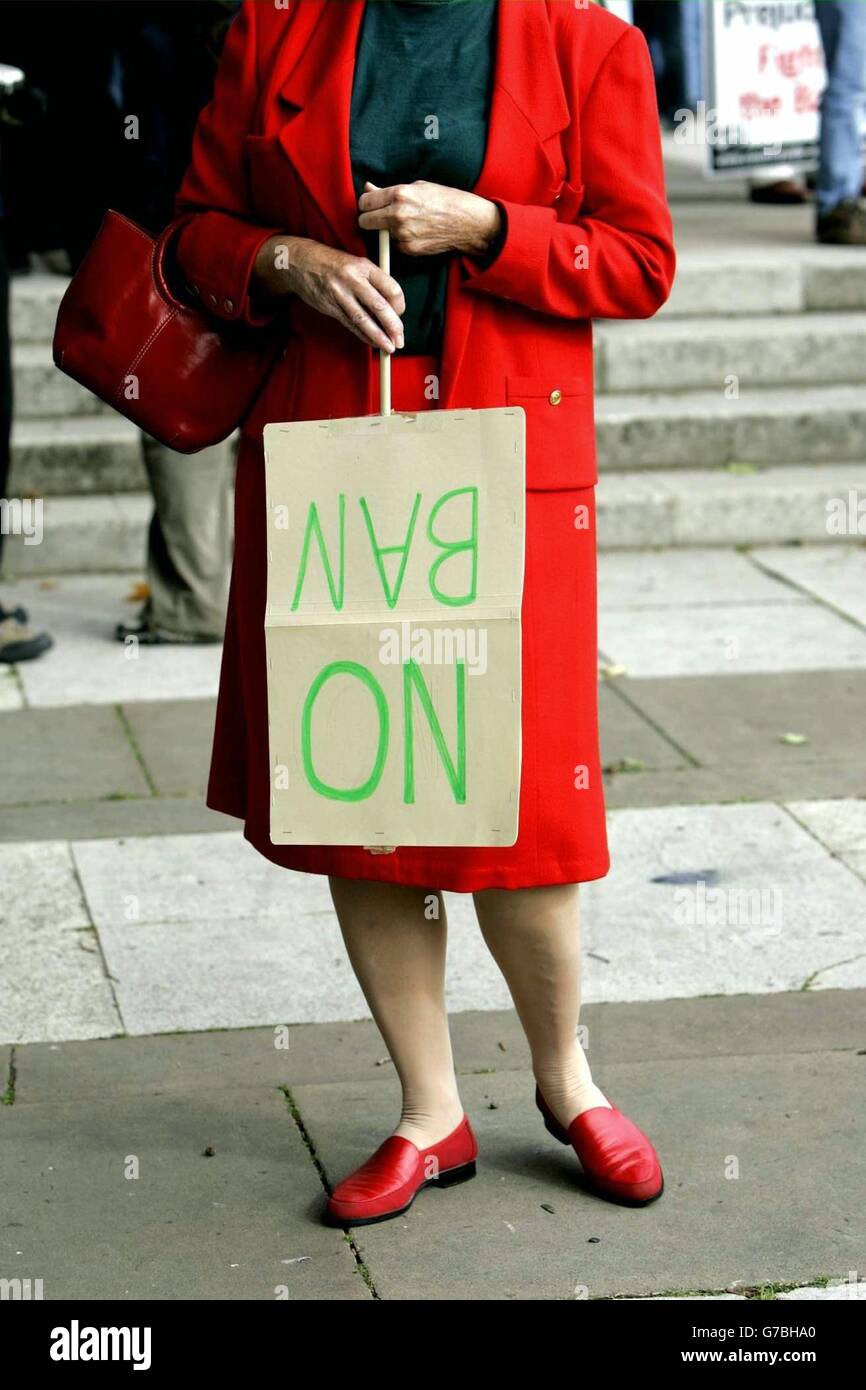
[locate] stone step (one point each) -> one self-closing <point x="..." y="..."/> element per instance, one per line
<point x="42" y="391"/>
<point x="80" y="454"/>
<point x="634" y="357"/>
<point x="34" y="302"/>
<point x="766" y="350"/>
<point x="694" y="429"/>
<point x="704" y="429"/>
<point x="731" y="280"/>
<point x="758" y="279"/>
<point x="83" y="535"/>
<point x="637" y="510"/>
<point x="685" y="507"/>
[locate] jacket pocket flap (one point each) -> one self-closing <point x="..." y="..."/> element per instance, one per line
<point x="560" y="434"/>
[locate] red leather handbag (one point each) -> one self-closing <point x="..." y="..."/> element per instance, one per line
<point x="183" y="377"/>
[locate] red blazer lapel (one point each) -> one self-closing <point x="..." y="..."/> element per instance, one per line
<point x="317" y="94"/>
<point x="524" y="162"/>
<point x="529" y="107"/>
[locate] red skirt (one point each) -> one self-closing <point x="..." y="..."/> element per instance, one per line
<point x="562" y="835"/>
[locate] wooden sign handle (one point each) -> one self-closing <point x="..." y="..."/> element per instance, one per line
<point x="384" y="409"/>
<point x="384" y="357"/>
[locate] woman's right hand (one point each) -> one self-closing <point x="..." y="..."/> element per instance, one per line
<point x="351" y="289"/>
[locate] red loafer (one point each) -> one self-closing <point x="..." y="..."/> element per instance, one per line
<point x="388" y="1183"/>
<point x="618" y="1160"/>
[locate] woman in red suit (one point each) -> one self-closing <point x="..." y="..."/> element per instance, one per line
<point x="512" y="151"/>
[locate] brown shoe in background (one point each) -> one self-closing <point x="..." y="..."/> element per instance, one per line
<point x="785" y="193"/>
<point x="843" y="225"/>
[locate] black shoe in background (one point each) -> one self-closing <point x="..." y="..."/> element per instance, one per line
<point x="20" y="643"/>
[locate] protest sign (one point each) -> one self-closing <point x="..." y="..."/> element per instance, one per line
<point x="765" y="76"/>
<point x="395" y="576"/>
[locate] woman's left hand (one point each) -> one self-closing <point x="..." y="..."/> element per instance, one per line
<point x="428" y="218"/>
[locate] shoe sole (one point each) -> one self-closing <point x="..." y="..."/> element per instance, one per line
<point x="450" y="1178"/>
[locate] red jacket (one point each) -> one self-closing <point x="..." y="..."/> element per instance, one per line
<point x="573" y="160"/>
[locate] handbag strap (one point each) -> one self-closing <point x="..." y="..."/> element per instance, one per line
<point x="161" y="249"/>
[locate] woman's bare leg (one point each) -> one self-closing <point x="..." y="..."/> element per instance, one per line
<point x="396" y="938"/>
<point x="534" y="937"/>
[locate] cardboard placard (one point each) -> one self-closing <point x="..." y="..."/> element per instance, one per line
<point x="395" y="580"/>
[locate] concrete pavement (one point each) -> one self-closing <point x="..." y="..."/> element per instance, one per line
<point x="195" y="1166"/>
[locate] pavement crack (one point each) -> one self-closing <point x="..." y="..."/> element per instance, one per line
<point x="8" y="1096"/>
<point x="799" y="588"/>
<point x="622" y="692"/>
<point x="100" y="950"/>
<point x="834" y="965"/>
<point x="307" y="1141"/>
<point x="137" y="753"/>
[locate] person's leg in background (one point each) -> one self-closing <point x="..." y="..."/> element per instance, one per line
<point x="189" y="545"/>
<point x="841" y="212"/>
<point x="692" y="40"/>
<point x="168" y="63"/>
<point x="18" y="642"/>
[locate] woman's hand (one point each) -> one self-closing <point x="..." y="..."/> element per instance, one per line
<point x="427" y="218"/>
<point x="350" y="289"/>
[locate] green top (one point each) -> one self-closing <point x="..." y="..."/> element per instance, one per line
<point x="420" y="108"/>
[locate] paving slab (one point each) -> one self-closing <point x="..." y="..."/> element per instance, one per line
<point x="840" y="825"/>
<point x="741" y="718"/>
<point x="153" y="816"/>
<point x="697" y="639"/>
<point x="52" y="979"/>
<point x="86" y="665"/>
<point x="739" y="782"/>
<point x="485" y="1041"/>
<point x="662" y="579"/>
<point x="776" y="911"/>
<point x="628" y="738"/>
<point x="174" y="739"/>
<point x="83" y="754"/>
<point x="836" y="574"/>
<point x="11" y="694"/>
<point x="493" y="1238"/>
<point x="237" y="1225"/>
<point x="202" y="932"/>
<point x="195" y="1063"/>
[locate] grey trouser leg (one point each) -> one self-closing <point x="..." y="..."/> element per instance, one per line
<point x="190" y="539"/>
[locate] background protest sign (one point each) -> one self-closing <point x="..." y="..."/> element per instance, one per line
<point x="395" y="578"/>
<point x="765" y="75"/>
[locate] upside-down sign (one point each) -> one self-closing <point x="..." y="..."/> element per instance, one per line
<point x="395" y="577"/>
